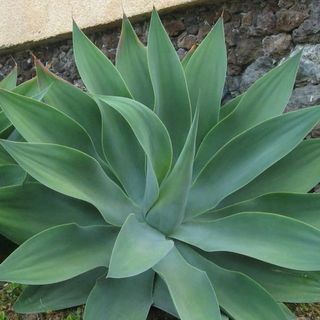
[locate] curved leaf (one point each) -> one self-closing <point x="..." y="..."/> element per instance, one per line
<point x="28" y="88"/>
<point x="206" y="74"/>
<point x="132" y="62"/>
<point x="299" y="171"/>
<point x="80" y="249"/>
<point x="97" y="72"/>
<point x="10" y="81"/>
<point x="303" y="207"/>
<point x="264" y="236"/>
<point x="75" y="174"/>
<point x="123" y="152"/>
<point x="189" y="287"/>
<point x="172" y="103"/>
<point x="149" y="131"/>
<point x="116" y="299"/>
<point x="168" y="211"/>
<point x="73" y="102"/>
<point x="138" y="248"/>
<point x="11" y="175"/>
<point x="57" y="296"/>
<point x="255" y="150"/>
<point x="272" y="92"/>
<point x="233" y="289"/>
<point x="230" y="106"/>
<point x="284" y="284"/>
<point x="38" y="122"/>
<point x="28" y="209"/>
<point x="188" y="56"/>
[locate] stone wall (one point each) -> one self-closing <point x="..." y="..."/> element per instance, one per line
<point x="259" y="34"/>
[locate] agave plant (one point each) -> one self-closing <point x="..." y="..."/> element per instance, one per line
<point x="145" y="191"/>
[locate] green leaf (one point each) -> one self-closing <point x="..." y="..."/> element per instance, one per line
<point x="255" y="151"/>
<point x="5" y="158"/>
<point x="206" y="74"/>
<point x="5" y="123"/>
<point x="28" y="88"/>
<point x="10" y="81"/>
<point x="303" y="207"/>
<point x="188" y="56"/>
<point x="41" y="123"/>
<point x="230" y="106"/>
<point x="284" y="284"/>
<point x="28" y="209"/>
<point x="75" y="174"/>
<point x="149" y="131"/>
<point x="265" y="99"/>
<point x="264" y="236"/>
<point x="138" y="248"/>
<point x="161" y="297"/>
<point x="234" y="288"/>
<point x="132" y="62"/>
<point x="118" y="139"/>
<point x="299" y="172"/>
<point x="57" y="296"/>
<point x="168" y="211"/>
<point x="121" y="299"/>
<point x="73" y="102"/>
<point x="80" y="249"/>
<point x="97" y="72"/>
<point x="172" y="103"/>
<point x="189" y="287"/>
<point x="11" y="174"/>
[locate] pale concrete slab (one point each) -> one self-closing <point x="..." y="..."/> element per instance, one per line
<point x="29" y="21"/>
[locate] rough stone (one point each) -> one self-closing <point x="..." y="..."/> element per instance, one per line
<point x="288" y="20"/>
<point x="309" y="70"/>
<point x="308" y="95"/>
<point x="277" y="45"/>
<point x="174" y="27"/>
<point x="186" y="40"/>
<point x="255" y="71"/>
<point x="309" y="30"/>
<point x="265" y="24"/>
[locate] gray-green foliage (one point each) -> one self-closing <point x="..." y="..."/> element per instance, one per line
<point x="147" y="192"/>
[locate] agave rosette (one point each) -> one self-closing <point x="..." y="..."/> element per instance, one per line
<point x="144" y="191"/>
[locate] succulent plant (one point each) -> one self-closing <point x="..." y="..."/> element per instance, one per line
<point x="144" y="191"/>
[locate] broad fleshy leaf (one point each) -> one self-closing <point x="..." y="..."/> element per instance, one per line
<point x="28" y="88"/>
<point x="300" y="206"/>
<point x="189" y="287"/>
<point x="172" y="103"/>
<point x="264" y="236"/>
<point x="97" y="72"/>
<point x="31" y="208"/>
<point x="123" y="152"/>
<point x="297" y="172"/>
<point x="265" y="99"/>
<point x="10" y="81"/>
<point x="206" y="74"/>
<point x="118" y="299"/>
<point x="234" y="289"/>
<point x="41" y="123"/>
<point x="80" y="249"/>
<point x="255" y="151"/>
<point x="138" y="248"/>
<point x="75" y="174"/>
<point x="284" y="284"/>
<point x="132" y="62"/>
<point x="230" y="106"/>
<point x="188" y="56"/>
<point x="168" y="211"/>
<point x="57" y="296"/>
<point x="149" y="131"/>
<point x="73" y="102"/>
<point x="11" y="174"/>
